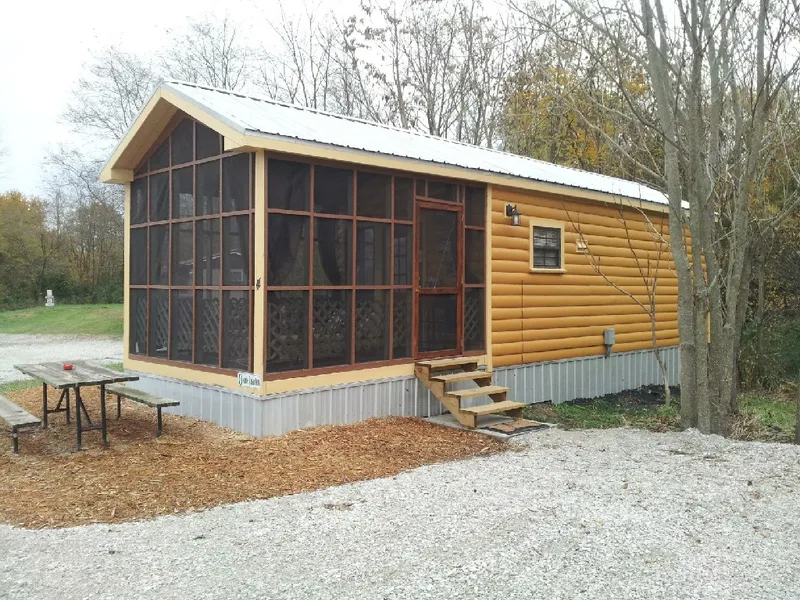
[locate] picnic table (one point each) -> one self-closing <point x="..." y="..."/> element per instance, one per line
<point x="82" y="375"/>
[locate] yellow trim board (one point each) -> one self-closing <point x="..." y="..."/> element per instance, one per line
<point x="278" y="386"/>
<point x="259" y="266"/>
<point x="126" y="275"/>
<point x="487" y="291"/>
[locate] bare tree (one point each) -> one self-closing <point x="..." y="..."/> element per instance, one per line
<point x="717" y="70"/>
<point x="108" y="97"/>
<point x="210" y="52"/>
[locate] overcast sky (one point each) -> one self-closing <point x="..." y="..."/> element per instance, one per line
<point x="43" y="46"/>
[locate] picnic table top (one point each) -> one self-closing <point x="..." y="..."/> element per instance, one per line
<point x="82" y="374"/>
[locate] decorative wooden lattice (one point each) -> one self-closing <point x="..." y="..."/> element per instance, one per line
<point x="159" y="315"/>
<point x="237" y="331"/>
<point x="182" y="326"/>
<point x="401" y="332"/>
<point x="331" y="323"/>
<point x="371" y="326"/>
<point x="140" y="323"/>
<point x="209" y="325"/>
<point x="473" y="319"/>
<point x="286" y="326"/>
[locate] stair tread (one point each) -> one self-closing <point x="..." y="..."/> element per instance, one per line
<point x="478" y="391"/>
<point x="462" y="376"/>
<point x="494" y="407"/>
<point x="443" y="363"/>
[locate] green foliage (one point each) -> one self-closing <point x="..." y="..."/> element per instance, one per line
<point x="777" y="360"/>
<point x="773" y="411"/>
<point x="763" y="417"/>
<point x="638" y="408"/>
<point x="96" y="319"/>
<point x="76" y="252"/>
<point x="21" y="232"/>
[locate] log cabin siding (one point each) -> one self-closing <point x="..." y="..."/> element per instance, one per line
<point x="540" y="316"/>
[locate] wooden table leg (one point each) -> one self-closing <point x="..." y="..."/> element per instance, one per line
<point x="103" y="414"/>
<point x="78" y="424"/>
<point x="44" y="406"/>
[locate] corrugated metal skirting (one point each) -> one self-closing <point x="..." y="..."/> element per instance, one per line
<point x="556" y="381"/>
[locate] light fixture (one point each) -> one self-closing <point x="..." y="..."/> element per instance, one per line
<point x="511" y="211"/>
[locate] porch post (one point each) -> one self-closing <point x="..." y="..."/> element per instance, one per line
<point x="260" y="266"/>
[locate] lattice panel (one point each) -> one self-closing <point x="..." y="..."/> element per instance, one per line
<point x="182" y="326"/>
<point x="237" y="330"/>
<point x="287" y="336"/>
<point x="371" y="326"/>
<point x="209" y="325"/>
<point x="159" y="326"/>
<point x="140" y="324"/>
<point x="401" y="325"/>
<point x="474" y="322"/>
<point x="331" y="323"/>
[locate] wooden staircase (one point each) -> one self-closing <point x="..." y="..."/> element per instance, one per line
<point x="437" y="374"/>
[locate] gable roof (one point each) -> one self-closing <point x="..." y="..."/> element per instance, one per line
<point x="254" y="122"/>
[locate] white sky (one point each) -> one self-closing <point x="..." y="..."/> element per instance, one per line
<point x="43" y="46"/>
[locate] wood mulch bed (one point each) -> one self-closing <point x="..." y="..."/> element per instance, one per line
<point x="197" y="465"/>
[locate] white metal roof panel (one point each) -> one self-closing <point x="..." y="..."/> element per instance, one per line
<point x="261" y="116"/>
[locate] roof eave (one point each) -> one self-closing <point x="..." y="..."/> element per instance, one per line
<point x="255" y="140"/>
<point x="150" y="122"/>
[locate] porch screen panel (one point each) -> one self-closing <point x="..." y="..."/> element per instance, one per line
<point x="339" y="257"/>
<point x="474" y="309"/>
<point x="191" y="256"/>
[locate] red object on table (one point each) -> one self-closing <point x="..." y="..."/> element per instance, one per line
<point x="67" y="367"/>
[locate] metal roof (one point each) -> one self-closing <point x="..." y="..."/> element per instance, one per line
<point x="257" y="116"/>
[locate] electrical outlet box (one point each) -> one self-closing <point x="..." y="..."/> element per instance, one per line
<point x="608" y="337"/>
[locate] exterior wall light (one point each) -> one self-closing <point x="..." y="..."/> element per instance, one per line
<point x="511" y="211"/>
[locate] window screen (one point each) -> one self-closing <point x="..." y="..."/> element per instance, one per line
<point x="191" y="252"/>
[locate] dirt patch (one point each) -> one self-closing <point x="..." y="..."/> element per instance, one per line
<point x="197" y="465"/>
<point x="645" y="397"/>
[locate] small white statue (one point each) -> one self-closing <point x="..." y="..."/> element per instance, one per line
<point x="49" y="301"/>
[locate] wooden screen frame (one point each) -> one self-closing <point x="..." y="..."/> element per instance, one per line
<point x="166" y="136"/>
<point x="457" y="290"/>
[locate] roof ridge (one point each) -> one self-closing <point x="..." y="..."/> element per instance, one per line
<point x="412" y="132"/>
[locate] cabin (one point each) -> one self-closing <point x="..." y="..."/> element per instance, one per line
<point x="287" y="267"/>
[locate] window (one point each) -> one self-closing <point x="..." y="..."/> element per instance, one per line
<point x="190" y="252"/>
<point x="546" y="247"/>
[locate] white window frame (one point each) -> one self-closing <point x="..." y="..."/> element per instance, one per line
<point x="549" y="224"/>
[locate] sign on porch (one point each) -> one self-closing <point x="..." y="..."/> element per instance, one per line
<point x="249" y="380"/>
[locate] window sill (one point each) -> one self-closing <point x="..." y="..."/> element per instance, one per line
<point x="546" y="270"/>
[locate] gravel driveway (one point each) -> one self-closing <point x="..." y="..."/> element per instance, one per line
<point x="21" y="348"/>
<point x="598" y="514"/>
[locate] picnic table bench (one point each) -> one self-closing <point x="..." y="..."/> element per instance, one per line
<point x="129" y="393"/>
<point x="16" y="418"/>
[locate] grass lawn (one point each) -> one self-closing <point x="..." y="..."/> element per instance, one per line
<point x="763" y="417"/>
<point x="94" y="319"/>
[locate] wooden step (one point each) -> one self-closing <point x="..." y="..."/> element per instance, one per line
<point x="462" y="376"/>
<point x="494" y="407"/>
<point x="485" y="390"/>
<point x="447" y="363"/>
